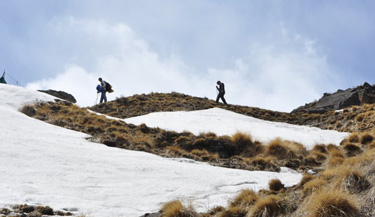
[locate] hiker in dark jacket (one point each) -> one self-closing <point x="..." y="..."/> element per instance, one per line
<point x="103" y="90"/>
<point x="221" y="89"/>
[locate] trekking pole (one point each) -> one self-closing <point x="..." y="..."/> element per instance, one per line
<point x="96" y="101"/>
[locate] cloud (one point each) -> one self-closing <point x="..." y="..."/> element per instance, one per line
<point x="282" y="71"/>
<point x="114" y="52"/>
<point x="279" y="76"/>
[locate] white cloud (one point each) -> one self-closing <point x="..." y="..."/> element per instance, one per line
<point x="278" y="74"/>
<point x="115" y="53"/>
<point x="279" y="77"/>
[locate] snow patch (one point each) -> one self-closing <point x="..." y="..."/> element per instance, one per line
<point x="223" y="122"/>
<point x="48" y="165"/>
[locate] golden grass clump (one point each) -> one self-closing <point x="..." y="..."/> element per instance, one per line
<point x="313" y="186"/>
<point x="176" y="209"/>
<point x="215" y="210"/>
<point x="262" y="163"/>
<point x="245" y="199"/>
<point x="366" y="138"/>
<point x="354" y="138"/>
<point x="355" y="182"/>
<point x="268" y="206"/>
<point x="336" y="158"/>
<point x="352" y="149"/>
<point x="360" y="117"/>
<point x="275" y="185"/>
<point x="305" y="179"/>
<point x="332" y="203"/>
<point x="320" y="149"/>
<point x="245" y="145"/>
<point x="282" y="149"/>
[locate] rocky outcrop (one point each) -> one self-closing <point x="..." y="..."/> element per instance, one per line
<point x="341" y="99"/>
<point x="60" y="94"/>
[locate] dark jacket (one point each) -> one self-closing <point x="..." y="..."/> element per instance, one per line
<point x="221" y="88"/>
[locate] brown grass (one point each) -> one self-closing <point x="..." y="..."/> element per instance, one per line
<point x="282" y="149"/>
<point x="355" y="182"/>
<point x="176" y="209"/>
<point x="305" y="179"/>
<point x="366" y="138"/>
<point x="245" y="145"/>
<point x="343" y="168"/>
<point x="267" y="206"/>
<point x="275" y="185"/>
<point x="245" y="199"/>
<point x="332" y="203"/>
<point x="352" y="149"/>
<point x="313" y="186"/>
<point x="354" y="138"/>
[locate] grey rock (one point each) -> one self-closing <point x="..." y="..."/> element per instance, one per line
<point x="341" y="99"/>
<point x="60" y="94"/>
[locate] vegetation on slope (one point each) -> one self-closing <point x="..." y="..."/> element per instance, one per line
<point x="343" y="189"/>
<point x="237" y="151"/>
<point x="137" y="105"/>
<point x="352" y="119"/>
<point x="341" y="186"/>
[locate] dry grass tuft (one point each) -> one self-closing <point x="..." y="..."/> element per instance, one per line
<point x="366" y="139"/>
<point x="320" y="149"/>
<point x="214" y="211"/>
<point x="355" y="182"/>
<point x="28" y="110"/>
<point x="176" y="209"/>
<point x="305" y="179"/>
<point x="245" y="199"/>
<point x="332" y="203"/>
<point x="275" y="185"/>
<point x="268" y="206"/>
<point x="245" y="145"/>
<point x="263" y="163"/>
<point x="352" y="149"/>
<point x="277" y="149"/>
<point x="354" y="138"/>
<point x="282" y="149"/>
<point x="336" y="158"/>
<point x="313" y="186"/>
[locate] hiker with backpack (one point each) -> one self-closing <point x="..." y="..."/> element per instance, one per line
<point x="221" y="89"/>
<point x="103" y="88"/>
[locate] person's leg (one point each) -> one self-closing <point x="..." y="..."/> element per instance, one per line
<point x="105" y="96"/>
<point x="218" y="97"/>
<point x="222" y="98"/>
<point x="101" y="97"/>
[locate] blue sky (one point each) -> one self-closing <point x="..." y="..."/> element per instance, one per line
<point x="274" y="54"/>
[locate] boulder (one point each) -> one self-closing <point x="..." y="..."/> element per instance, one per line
<point x="341" y="99"/>
<point x="60" y="94"/>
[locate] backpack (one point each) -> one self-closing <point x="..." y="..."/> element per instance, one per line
<point x="99" y="88"/>
<point x="108" y="87"/>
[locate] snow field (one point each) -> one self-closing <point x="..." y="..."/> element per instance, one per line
<point x="42" y="164"/>
<point x="223" y="122"/>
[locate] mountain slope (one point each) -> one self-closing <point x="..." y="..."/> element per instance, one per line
<point x="223" y="122"/>
<point x="45" y="164"/>
<point x="351" y="119"/>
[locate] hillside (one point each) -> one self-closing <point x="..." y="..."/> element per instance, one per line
<point x="138" y="105"/>
<point x="337" y="179"/>
<point x="44" y="164"/>
<point x="350" y="119"/>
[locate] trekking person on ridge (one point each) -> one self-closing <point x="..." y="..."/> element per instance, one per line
<point x="102" y="89"/>
<point x="220" y="88"/>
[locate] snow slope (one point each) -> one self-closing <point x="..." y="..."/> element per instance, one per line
<point x="48" y="165"/>
<point x="223" y="122"/>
